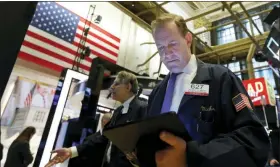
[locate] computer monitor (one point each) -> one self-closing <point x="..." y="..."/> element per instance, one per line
<point x="271" y="49"/>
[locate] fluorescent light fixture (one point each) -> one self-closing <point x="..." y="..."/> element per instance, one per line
<point x="70" y="75"/>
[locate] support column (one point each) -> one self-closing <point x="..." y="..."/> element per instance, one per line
<point x="249" y="61"/>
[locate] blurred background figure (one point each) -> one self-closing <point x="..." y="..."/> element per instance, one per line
<point x="19" y="154"/>
<point x="40" y="97"/>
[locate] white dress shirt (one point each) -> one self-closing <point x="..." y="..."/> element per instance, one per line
<point x="124" y="111"/>
<point x="182" y="81"/>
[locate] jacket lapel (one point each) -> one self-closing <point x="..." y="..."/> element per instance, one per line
<point x="203" y="74"/>
<point x="133" y="109"/>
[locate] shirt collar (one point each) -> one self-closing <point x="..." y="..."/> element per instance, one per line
<point x="127" y="102"/>
<point x="191" y="66"/>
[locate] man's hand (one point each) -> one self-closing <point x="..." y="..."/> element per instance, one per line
<point x="175" y="155"/>
<point x="273" y="162"/>
<point x="61" y="155"/>
<point x="131" y="156"/>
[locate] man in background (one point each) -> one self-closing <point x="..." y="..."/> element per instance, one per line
<point x="124" y="89"/>
<point x="39" y="98"/>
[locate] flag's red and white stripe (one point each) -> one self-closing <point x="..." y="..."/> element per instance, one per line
<point x="47" y="50"/>
<point x="28" y="100"/>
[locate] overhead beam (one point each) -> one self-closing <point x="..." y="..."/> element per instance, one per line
<point x="204" y="14"/>
<point x="255" y="68"/>
<point x="241" y="25"/>
<point x="207" y="46"/>
<point x="236" y="53"/>
<point x="208" y="12"/>
<point x="232" y="22"/>
<point x="235" y="50"/>
<point x="160" y="7"/>
<point x="229" y="46"/>
<point x="150" y="9"/>
<point x="249" y="17"/>
<point x="225" y="56"/>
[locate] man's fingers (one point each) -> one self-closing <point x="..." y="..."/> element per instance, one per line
<point x="172" y="140"/>
<point x="50" y="164"/>
<point x="54" y="151"/>
<point x="56" y="160"/>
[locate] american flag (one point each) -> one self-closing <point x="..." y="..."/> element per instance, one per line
<point x="28" y="99"/>
<point x="241" y="101"/>
<point x="54" y="34"/>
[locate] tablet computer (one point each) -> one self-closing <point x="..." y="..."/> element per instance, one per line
<point x="126" y="136"/>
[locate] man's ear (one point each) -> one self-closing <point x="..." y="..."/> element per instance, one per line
<point x="188" y="38"/>
<point x="129" y="87"/>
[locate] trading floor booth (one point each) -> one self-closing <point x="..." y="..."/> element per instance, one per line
<point x="61" y="116"/>
<point x="72" y="115"/>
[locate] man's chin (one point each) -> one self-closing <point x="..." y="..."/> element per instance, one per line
<point x="174" y="70"/>
<point x="114" y="98"/>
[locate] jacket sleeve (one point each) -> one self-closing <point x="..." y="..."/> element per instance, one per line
<point x="90" y="143"/>
<point x="144" y="111"/>
<point x="26" y="154"/>
<point x="244" y="141"/>
<point x="87" y="147"/>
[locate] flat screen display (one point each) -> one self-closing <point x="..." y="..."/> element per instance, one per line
<point x="272" y="46"/>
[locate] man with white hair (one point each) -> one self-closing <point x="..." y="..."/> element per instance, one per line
<point x="124" y="89"/>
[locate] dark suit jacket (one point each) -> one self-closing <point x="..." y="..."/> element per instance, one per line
<point x="19" y="155"/>
<point x="274" y="152"/>
<point x="97" y="144"/>
<point x="91" y="151"/>
<point x="222" y="136"/>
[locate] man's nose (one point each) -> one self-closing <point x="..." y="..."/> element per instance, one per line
<point x="168" y="51"/>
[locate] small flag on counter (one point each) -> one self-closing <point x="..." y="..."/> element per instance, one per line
<point x="241" y="101"/>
